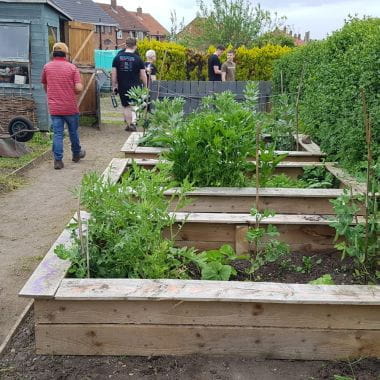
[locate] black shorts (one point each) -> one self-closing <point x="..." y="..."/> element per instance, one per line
<point x="125" y="99"/>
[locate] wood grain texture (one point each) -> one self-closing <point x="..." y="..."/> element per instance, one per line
<point x="311" y="147"/>
<point x="148" y="340"/>
<point x="222" y="291"/>
<point x="208" y="314"/>
<point x="114" y="170"/>
<point x="131" y="143"/>
<point x="346" y="179"/>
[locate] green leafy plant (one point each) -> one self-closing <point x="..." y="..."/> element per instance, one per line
<point x="140" y="100"/>
<point x="166" y="115"/>
<point x="266" y="248"/>
<point x="318" y="177"/>
<point x="326" y="279"/>
<point x="125" y="230"/>
<point x="214" y="264"/>
<point x="308" y="264"/>
<point x="360" y="238"/>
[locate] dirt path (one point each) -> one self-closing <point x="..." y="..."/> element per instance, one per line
<point x="33" y="216"/>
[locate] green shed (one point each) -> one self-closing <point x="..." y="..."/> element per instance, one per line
<point x="28" y="30"/>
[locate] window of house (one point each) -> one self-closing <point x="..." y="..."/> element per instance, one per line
<point x="110" y="29"/>
<point x="14" y="53"/>
<point x="97" y="30"/>
<point x="119" y="35"/>
<point x="140" y="35"/>
<point x="103" y="29"/>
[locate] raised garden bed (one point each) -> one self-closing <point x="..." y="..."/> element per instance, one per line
<point x="179" y="317"/>
<point x="309" y="152"/>
<point x="241" y="200"/>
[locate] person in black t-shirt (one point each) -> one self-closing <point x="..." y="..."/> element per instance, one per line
<point x="128" y="71"/>
<point x="151" y="69"/>
<point x="214" y="65"/>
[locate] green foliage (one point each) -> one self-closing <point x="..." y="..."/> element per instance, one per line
<point x="361" y="240"/>
<point x="139" y="97"/>
<point x="267" y="249"/>
<point x="308" y="264"/>
<point x="334" y="71"/>
<point x="214" y="264"/>
<point x="318" y="177"/>
<point x="282" y="180"/>
<point x="326" y="279"/>
<point x="125" y="237"/>
<point x="176" y="62"/>
<point x="225" y="22"/>
<point x="211" y="148"/>
<point x="276" y="37"/>
<point x="166" y="115"/>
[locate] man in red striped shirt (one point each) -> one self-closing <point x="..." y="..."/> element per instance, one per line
<point x="61" y="81"/>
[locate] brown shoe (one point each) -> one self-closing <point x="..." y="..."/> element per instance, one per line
<point x="82" y="154"/>
<point x="58" y="164"/>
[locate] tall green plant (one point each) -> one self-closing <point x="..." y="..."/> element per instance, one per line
<point x="124" y="232"/>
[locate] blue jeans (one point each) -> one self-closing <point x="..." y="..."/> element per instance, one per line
<point x="72" y="122"/>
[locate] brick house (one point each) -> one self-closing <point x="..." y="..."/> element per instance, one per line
<point x="134" y="24"/>
<point x="90" y="12"/>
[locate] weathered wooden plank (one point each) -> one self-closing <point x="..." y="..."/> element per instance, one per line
<point x="115" y="170"/>
<point x="148" y="340"/>
<point x="308" y="146"/>
<point x="222" y="291"/>
<point x="208" y="314"/>
<point x="45" y="280"/>
<point x="241" y="204"/>
<point x="204" y="232"/>
<point x="132" y="142"/>
<point x="346" y="179"/>
<point x="229" y="218"/>
<point x="305" y="239"/>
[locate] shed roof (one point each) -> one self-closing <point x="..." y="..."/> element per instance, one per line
<point x="86" y="11"/>
<point x="127" y="21"/>
<point x="48" y="2"/>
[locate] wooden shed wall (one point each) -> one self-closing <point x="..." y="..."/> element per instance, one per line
<point x="40" y="16"/>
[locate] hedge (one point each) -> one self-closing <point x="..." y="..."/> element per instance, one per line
<point x="186" y="64"/>
<point x="334" y="71"/>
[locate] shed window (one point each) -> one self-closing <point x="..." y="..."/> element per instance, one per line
<point x="14" y="42"/>
<point x="14" y="53"/>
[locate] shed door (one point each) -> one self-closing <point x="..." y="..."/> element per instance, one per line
<point x="81" y="47"/>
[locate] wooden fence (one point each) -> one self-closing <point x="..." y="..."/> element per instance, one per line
<point x="194" y="91"/>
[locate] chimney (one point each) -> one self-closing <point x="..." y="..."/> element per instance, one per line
<point x="307" y="36"/>
<point x="114" y="4"/>
<point x="139" y="10"/>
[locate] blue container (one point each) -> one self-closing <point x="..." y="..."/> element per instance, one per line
<point x="104" y="58"/>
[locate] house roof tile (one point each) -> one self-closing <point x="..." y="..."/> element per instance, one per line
<point x="154" y="27"/>
<point x="86" y="11"/>
<point x="126" y="20"/>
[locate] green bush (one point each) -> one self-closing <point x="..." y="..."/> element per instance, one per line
<point x="181" y="63"/>
<point x="334" y="71"/>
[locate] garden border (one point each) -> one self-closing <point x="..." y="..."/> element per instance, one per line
<point x="311" y="152"/>
<point x="178" y="317"/>
<point x="240" y="200"/>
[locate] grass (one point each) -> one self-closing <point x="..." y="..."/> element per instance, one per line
<point x="38" y="145"/>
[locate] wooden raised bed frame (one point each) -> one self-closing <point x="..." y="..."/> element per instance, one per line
<point x="241" y="200"/>
<point x="310" y="152"/>
<point x="180" y="317"/>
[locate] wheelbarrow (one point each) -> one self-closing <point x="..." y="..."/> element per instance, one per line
<point x="17" y="118"/>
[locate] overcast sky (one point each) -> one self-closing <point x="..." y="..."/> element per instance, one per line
<point x="320" y="17"/>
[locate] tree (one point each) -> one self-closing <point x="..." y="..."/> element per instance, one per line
<point x="277" y="37"/>
<point x="230" y="22"/>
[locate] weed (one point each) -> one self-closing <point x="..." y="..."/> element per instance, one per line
<point x="326" y="279"/>
<point x="308" y="264"/>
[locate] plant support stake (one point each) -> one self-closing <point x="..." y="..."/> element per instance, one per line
<point x="297" y="105"/>
<point x="368" y="132"/>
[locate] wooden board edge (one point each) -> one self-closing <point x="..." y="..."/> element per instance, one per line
<point x="221" y="291"/>
<point x="131" y="143"/>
